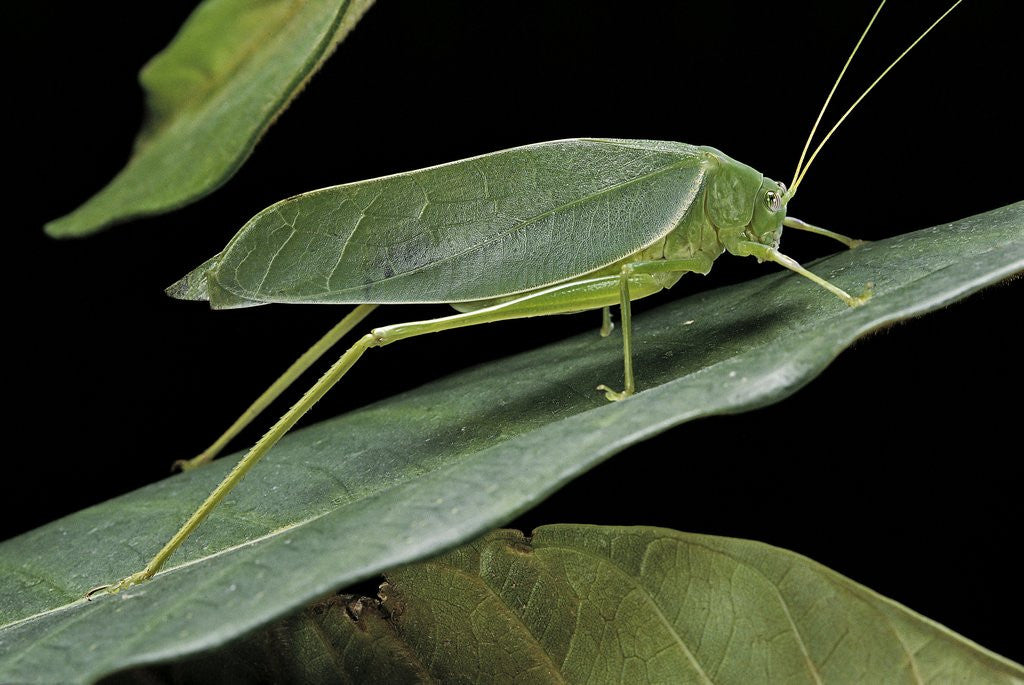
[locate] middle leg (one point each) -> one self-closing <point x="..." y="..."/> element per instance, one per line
<point x="700" y="264"/>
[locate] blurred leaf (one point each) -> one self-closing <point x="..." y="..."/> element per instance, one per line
<point x="424" y="471"/>
<point x="608" y="605"/>
<point x="212" y="93"/>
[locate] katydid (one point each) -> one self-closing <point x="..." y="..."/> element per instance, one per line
<point x="559" y="227"/>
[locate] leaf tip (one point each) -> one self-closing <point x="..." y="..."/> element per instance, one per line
<point x="63" y="227"/>
<point x="83" y="221"/>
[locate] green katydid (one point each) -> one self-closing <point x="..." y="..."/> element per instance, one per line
<point x="552" y="228"/>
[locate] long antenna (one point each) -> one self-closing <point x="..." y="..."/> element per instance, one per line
<point x="800" y="177"/>
<point x="832" y="92"/>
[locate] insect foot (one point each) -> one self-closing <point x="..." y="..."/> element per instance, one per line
<point x="869" y="290"/>
<point x="182" y="465"/>
<point x="123" y="584"/>
<point x="612" y="395"/>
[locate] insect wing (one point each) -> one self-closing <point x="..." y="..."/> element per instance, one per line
<point x="478" y="228"/>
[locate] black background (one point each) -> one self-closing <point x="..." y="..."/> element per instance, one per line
<point x="899" y="466"/>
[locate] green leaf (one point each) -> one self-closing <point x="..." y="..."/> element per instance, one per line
<point x="432" y="468"/>
<point x="231" y="70"/>
<point x="605" y="604"/>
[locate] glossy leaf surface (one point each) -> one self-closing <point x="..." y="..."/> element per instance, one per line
<point x="211" y="94"/>
<point x="432" y="468"/>
<point x="575" y="604"/>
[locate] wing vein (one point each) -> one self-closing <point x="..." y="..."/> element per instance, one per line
<point x="524" y="224"/>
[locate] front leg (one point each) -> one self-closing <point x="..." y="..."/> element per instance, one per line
<point x="765" y="253"/>
<point x="793" y="222"/>
<point x="701" y="264"/>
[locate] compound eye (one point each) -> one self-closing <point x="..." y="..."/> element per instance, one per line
<point x="773" y="201"/>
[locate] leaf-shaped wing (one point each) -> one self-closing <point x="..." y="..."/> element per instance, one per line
<point x="483" y="227"/>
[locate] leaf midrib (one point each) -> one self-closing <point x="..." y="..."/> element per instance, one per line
<point x="635" y="584"/>
<point x="478" y="580"/>
<point x="191" y="562"/>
